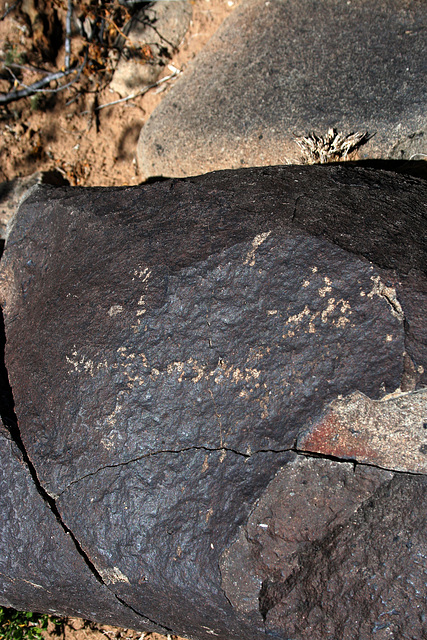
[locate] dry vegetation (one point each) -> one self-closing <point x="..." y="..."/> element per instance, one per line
<point x="64" y="126"/>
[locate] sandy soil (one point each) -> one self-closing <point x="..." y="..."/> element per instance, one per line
<point x="91" y="148"/>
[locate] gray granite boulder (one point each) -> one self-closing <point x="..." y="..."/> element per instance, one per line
<point x="291" y="81"/>
<point x="221" y="405"/>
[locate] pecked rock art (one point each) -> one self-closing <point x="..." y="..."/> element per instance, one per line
<point x="219" y="389"/>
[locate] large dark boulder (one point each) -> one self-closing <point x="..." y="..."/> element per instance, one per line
<point x="221" y="405"/>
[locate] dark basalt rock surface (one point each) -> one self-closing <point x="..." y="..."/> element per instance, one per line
<point x="328" y="574"/>
<point x="179" y="354"/>
<point x="40" y="568"/>
<point x="361" y="579"/>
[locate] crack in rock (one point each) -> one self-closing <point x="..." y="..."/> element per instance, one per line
<point x="296" y="317"/>
<point x="389" y="436"/>
<point x="113" y="576"/>
<point x="158" y="453"/>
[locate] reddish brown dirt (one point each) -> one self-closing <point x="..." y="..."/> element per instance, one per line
<point x="89" y="148"/>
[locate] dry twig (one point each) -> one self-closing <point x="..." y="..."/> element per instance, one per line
<point x="117" y="28"/>
<point x="41" y="85"/>
<point x="68" y="34"/>
<point x="137" y="93"/>
<point x="25" y="67"/>
<point x="9" y="10"/>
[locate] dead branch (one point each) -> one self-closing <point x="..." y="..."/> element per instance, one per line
<point x="9" y="10"/>
<point x="137" y="93"/>
<point x="15" y="79"/>
<point x="41" y="85"/>
<point x="26" y="67"/>
<point x="117" y="28"/>
<point x="68" y="34"/>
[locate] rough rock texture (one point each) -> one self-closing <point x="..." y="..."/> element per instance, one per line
<point x="281" y="69"/>
<point x="40" y="568"/>
<point x="362" y="579"/>
<point x="170" y="346"/>
<point x="320" y="495"/>
<point x="161" y="527"/>
<point x="153" y="35"/>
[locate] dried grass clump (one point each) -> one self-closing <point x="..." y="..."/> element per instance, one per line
<point x="331" y="147"/>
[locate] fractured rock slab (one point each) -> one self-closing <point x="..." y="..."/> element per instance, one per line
<point x="40" y="567"/>
<point x="390" y="433"/>
<point x="302" y="504"/>
<point x="277" y="71"/>
<point x="181" y="510"/>
<point x="169" y="345"/>
<point x="181" y="306"/>
<point x="371" y="564"/>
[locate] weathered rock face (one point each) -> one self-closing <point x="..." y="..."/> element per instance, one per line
<point x="328" y="551"/>
<point x="40" y="568"/>
<point x="220" y="391"/>
<point x="278" y="70"/>
<point x="382" y="432"/>
<point x="367" y="564"/>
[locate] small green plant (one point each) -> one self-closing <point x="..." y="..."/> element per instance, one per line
<point x="36" y="101"/>
<point x="22" y="625"/>
<point x="13" y="56"/>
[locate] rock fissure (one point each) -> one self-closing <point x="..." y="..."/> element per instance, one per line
<point x="50" y="503"/>
<point x="389" y="295"/>
<point x="47" y="499"/>
<point x="157" y="453"/>
<point x="221" y="584"/>
<point x="355" y="463"/>
<point x="307" y="375"/>
<point x="10" y="421"/>
<point x="300" y="452"/>
<point x="126" y="604"/>
<point x="385" y="433"/>
<point x="294" y="214"/>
